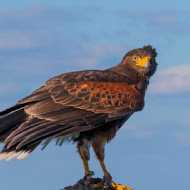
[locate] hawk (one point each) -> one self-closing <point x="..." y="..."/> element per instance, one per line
<point x="86" y="107"/>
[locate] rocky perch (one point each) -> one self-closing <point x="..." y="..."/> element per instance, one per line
<point x="81" y="186"/>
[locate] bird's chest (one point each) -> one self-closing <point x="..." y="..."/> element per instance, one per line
<point x="102" y="135"/>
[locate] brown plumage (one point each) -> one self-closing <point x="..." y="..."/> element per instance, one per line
<point x="87" y="107"/>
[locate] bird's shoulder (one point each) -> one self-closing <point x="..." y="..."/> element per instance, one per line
<point x="88" y="75"/>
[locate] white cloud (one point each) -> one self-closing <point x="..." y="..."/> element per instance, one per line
<point x="101" y="51"/>
<point x="15" y="40"/>
<point x="136" y="132"/>
<point x="8" y="87"/>
<point x="183" y="137"/>
<point x="186" y="121"/>
<point x="33" y="26"/>
<point x="171" y="80"/>
<point x="169" y="21"/>
<point x="93" y="55"/>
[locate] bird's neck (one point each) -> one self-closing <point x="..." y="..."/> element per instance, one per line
<point x="138" y="81"/>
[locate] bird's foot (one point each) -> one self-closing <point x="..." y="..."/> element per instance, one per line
<point x="106" y="181"/>
<point x="90" y="181"/>
<point x="109" y="184"/>
<point x="88" y="178"/>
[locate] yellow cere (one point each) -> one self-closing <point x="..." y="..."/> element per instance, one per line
<point x="141" y="61"/>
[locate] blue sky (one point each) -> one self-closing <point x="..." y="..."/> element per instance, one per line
<point x="41" y="39"/>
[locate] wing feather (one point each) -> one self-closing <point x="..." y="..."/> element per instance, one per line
<point x="99" y="97"/>
<point x="74" y="102"/>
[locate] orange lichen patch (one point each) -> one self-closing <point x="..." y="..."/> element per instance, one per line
<point x="119" y="186"/>
<point x="114" y="186"/>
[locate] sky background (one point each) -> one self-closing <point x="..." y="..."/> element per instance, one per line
<point x="41" y="39"/>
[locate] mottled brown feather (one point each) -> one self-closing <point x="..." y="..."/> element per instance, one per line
<point x="99" y="97"/>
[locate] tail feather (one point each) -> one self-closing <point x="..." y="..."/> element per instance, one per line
<point x="13" y="108"/>
<point x="9" y="154"/>
<point x="4" y="135"/>
<point x="10" y="120"/>
<point x="14" y="154"/>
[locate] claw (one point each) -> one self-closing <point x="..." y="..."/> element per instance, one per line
<point x="108" y="184"/>
<point x="91" y="173"/>
<point x="87" y="177"/>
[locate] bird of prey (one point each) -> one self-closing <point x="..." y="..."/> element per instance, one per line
<point x="86" y="107"/>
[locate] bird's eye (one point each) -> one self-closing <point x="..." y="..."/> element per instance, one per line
<point x="135" y="58"/>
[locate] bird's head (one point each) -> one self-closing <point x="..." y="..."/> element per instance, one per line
<point x="142" y="60"/>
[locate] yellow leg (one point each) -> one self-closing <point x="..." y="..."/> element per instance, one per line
<point x="85" y="162"/>
<point x="106" y="182"/>
<point x="88" y="174"/>
<point x="86" y="167"/>
<point x="107" y="177"/>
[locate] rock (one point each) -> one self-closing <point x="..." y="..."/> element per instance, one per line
<point x="81" y="187"/>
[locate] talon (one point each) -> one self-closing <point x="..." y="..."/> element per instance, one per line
<point x="87" y="178"/>
<point x="84" y="179"/>
<point x="106" y="181"/>
<point x="91" y="173"/>
<point x="108" y="184"/>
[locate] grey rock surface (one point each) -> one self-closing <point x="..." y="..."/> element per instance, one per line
<point x="81" y="187"/>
